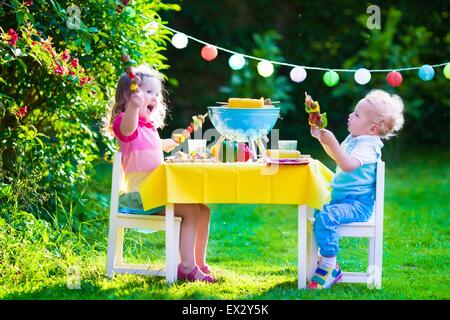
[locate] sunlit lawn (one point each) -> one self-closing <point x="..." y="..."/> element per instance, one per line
<point x="253" y="250"/>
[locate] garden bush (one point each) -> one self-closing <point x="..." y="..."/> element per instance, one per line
<point x="59" y="64"/>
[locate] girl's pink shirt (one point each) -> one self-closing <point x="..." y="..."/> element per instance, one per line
<point x="142" y="150"/>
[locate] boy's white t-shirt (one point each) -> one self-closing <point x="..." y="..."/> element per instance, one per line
<point x="367" y="150"/>
<point x="364" y="152"/>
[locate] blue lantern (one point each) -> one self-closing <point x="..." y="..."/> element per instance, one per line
<point x="426" y="72"/>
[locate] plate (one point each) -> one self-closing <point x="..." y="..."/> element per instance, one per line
<point x="178" y="160"/>
<point x="288" y="161"/>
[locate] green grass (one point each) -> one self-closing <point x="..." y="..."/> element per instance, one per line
<point x="252" y="249"/>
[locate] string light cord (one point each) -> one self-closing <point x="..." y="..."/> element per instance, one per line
<point x="295" y="65"/>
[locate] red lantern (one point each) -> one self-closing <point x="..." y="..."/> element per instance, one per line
<point x="209" y="52"/>
<point x="394" y="78"/>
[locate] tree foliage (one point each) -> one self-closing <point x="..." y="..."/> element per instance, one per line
<point x="329" y="34"/>
<point x="59" y="66"/>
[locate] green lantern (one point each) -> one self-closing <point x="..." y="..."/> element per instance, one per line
<point x="447" y="71"/>
<point x="331" y="78"/>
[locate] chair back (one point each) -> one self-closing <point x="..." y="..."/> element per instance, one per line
<point x="115" y="184"/>
<point x="379" y="196"/>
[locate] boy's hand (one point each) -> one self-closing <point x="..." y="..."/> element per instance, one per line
<point x="168" y="145"/>
<point x="326" y="137"/>
<point x="315" y="132"/>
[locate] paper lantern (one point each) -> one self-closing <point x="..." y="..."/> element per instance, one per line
<point x="298" y="74"/>
<point x="426" y="72"/>
<point x="236" y="61"/>
<point x="362" y="76"/>
<point x="179" y="40"/>
<point x="331" y="78"/>
<point x="265" y="68"/>
<point x="209" y="53"/>
<point x="447" y="71"/>
<point x="394" y="78"/>
<point x="151" y="28"/>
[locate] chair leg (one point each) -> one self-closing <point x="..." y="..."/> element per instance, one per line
<point x="371" y="260"/>
<point x="312" y="253"/>
<point x="118" y="256"/>
<point x="111" y="250"/>
<point x="378" y="257"/>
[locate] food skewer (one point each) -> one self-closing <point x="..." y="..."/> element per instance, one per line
<point x="315" y="118"/>
<point x="197" y="122"/>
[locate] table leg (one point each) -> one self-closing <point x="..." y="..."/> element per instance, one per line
<point x="171" y="262"/>
<point x="302" y="210"/>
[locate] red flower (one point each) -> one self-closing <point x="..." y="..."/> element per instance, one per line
<point x="74" y="63"/>
<point x="22" y="111"/>
<point x="83" y="80"/>
<point x="48" y="47"/>
<point x="33" y="43"/>
<point x="71" y="73"/>
<point x="125" y="2"/>
<point x="28" y="3"/>
<point x="119" y="9"/>
<point x="65" y="55"/>
<point x="13" y="37"/>
<point x="59" y="69"/>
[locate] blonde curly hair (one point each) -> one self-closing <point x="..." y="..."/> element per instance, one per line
<point x="123" y="94"/>
<point x="389" y="108"/>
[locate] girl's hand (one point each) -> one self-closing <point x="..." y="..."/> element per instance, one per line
<point x="137" y="99"/>
<point x="168" y="145"/>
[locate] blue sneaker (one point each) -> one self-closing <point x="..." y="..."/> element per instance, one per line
<point x="324" y="278"/>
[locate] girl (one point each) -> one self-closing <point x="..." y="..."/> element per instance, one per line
<point x="379" y="115"/>
<point x="133" y="120"/>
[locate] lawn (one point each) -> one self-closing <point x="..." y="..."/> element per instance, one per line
<point x="253" y="249"/>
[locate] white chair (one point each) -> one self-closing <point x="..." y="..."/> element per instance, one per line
<point x="372" y="229"/>
<point x="118" y="222"/>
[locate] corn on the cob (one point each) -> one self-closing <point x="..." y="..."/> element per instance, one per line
<point x="245" y="103"/>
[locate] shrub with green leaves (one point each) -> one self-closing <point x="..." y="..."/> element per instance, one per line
<point x="59" y="64"/>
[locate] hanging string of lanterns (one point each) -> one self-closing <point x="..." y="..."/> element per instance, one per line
<point x="298" y="73"/>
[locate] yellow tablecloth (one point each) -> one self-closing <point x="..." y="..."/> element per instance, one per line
<point x="237" y="183"/>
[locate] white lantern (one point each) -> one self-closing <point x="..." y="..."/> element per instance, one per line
<point x="236" y="61"/>
<point x="298" y="74"/>
<point x="179" y="40"/>
<point x="151" y="28"/>
<point x="362" y="76"/>
<point x="265" y="68"/>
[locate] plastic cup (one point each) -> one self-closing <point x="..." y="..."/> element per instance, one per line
<point x="287" y="144"/>
<point x="197" y="145"/>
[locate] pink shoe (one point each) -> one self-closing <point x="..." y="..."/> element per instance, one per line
<point x="205" y="269"/>
<point x="191" y="275"/>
